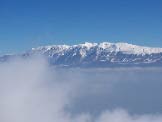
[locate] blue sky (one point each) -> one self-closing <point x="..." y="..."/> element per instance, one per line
<point x="30" y="23"/>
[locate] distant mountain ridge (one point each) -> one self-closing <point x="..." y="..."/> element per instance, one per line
<point x="103" y="54"/>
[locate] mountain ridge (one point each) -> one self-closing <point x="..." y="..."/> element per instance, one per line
<point x="103" y="54"/>
<point x="120" y="46"/>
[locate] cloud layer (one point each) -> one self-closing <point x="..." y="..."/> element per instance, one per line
<point x="32" y="91"/>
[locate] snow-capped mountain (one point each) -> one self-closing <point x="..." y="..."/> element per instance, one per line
<point x="99" y="55"/>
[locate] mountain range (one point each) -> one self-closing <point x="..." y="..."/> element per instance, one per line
<point x="103" y="54"/>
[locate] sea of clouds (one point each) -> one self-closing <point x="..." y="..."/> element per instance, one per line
<point x="33" y="91"/>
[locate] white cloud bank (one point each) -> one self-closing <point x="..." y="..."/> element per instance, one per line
<point x="30" y="91"/>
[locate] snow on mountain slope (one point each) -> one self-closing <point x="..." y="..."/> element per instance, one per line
<point x="101" y="54"/>
<point x="125" y="48"/>
<point x="98" y="55"/>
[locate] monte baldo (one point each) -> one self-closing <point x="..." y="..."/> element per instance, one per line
<point x="96" y="55"/>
